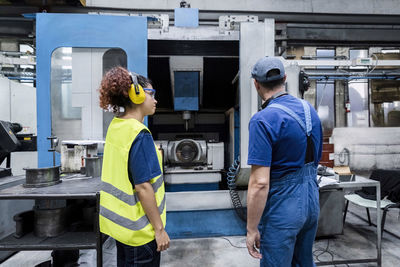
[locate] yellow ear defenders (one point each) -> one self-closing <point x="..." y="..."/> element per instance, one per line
<point x="136" y="92"/>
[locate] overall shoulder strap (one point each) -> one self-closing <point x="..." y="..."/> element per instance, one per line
<point x="307" y="115"/>
<point x="307" y="127"/>
<point x="291" y="114"/>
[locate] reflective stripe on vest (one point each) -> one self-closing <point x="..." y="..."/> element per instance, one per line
<point x="128" y="199"/>
<point x="121" y="213"/>
<point x="127" y="223"/>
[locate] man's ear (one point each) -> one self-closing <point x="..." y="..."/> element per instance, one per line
<point x="256" y="84"/>
<point x="284" y="78"/>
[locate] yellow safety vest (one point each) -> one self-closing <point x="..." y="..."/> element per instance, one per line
<point x="121" y="213"/>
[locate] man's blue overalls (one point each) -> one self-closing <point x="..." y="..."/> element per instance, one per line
<point x="289" y="222"/>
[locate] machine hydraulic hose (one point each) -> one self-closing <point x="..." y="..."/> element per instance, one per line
<point x="231" y="181"/>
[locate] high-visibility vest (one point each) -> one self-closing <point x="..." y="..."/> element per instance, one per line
<point x="121" y="213"/>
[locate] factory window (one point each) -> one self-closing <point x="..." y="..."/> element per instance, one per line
<point x="112" y="58"/>
<point x="358" y="93"/>
<point x="385" y="114"/>
<point x="75" y="77"/>
<point x="385" y="96"/>
<point x="65" y="116"/>
<point x="28" y="50"/>
<point x="27" y="75"/>
<point x="325" y="103"/>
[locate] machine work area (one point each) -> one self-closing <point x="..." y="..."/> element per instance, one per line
<point x="69" y="154"/>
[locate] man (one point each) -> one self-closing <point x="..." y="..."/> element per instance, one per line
<point x="285" y="145"/>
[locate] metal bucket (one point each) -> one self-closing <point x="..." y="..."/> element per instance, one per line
<point x="49" y="223"/>
<point x="41" y="177"/>
<point x="93" y="166"/>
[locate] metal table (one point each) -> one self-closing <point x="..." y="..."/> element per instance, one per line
<point x="70" y="188"/>
<point x="361" y="181"/>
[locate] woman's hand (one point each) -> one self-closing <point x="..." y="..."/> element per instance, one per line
<point x="162" y="240"/>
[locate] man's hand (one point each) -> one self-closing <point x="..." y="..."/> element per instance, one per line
<point x="162" y="240"/>
<point x="257" y="193"/>
<point x="253" y="243"/>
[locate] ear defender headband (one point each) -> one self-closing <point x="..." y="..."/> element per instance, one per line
<point x="136" y="92"/>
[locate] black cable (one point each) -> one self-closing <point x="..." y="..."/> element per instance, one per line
<point x="232" y="244"/>
<point x="231" y="181"/>
<point x="237" y="204"/>
<point x="324" y="251"/>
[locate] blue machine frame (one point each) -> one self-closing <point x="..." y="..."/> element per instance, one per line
<point x="130" y="34"/>
<point x="85" y="31"/>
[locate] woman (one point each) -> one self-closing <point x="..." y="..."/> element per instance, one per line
<point x="132" y="199"/>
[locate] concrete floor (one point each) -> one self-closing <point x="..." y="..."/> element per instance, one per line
<point x="357" y="242"/>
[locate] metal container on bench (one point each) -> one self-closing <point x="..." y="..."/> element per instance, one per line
<point x="49" y="222"/>
<point x="93" y="166"/>
<point x="41" y="177"/>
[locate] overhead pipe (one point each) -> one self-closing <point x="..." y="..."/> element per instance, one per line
<point x="15" y="54"/>
<point x="327" y="77"/>
<point x="22" y="78"/>
<point x="16" y="73"/>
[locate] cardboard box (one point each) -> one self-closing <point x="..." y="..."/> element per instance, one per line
<point x="344" y="173"/>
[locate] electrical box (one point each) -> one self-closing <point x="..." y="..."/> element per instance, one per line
<point x="362" y="61"/>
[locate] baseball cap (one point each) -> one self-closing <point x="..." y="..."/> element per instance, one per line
<point x="264" y="65"/>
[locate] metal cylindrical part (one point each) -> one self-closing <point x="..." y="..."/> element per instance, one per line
<point x="49" y="223"/>
<point x="93" y="166"/>
<point x="186" y="115"/>
<point x="40" y="177"/>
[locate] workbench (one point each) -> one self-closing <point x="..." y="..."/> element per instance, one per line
<point x="357" y="183"/>
<point x="75" y="187"/>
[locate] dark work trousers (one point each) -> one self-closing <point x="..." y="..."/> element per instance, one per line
<point x="141" y="256"/>
<point x="289" y="222"/>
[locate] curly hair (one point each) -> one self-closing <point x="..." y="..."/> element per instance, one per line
<point x="114" y="89"/>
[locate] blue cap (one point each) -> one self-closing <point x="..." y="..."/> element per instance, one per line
<point x="264" y="65"/>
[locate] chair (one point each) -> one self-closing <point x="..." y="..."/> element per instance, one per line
<point x="367" y="204"/>
<point x="390" y="181"/>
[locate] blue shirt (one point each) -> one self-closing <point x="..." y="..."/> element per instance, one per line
<point x="277" y="140"/>
<point x="143" y="161"/>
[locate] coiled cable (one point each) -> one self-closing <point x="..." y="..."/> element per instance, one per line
<point x="235" y="198"/>
<point x="232" y="172"/>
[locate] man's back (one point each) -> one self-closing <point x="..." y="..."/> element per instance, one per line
<point x="277" y="139"/>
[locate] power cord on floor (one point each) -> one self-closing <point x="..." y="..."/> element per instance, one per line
<point x="319" y="252"/>
<point x="231" y="243"/>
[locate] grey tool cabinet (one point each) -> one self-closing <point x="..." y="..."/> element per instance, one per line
<point x="70" y="188"/>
